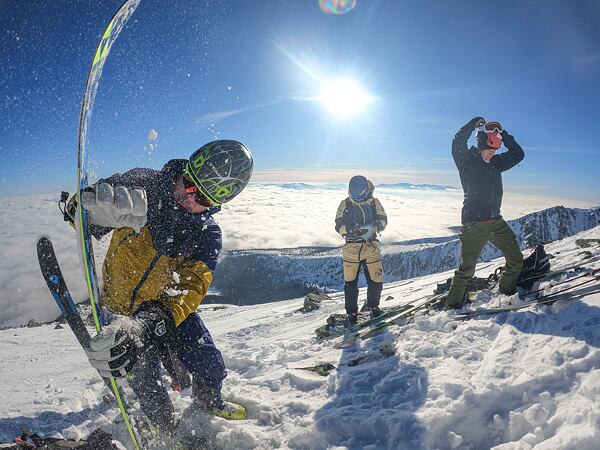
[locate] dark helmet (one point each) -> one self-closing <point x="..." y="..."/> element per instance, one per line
<point x="220" y="169"/>
<point x="359" y="188"/>
<point x="489" y="137"/>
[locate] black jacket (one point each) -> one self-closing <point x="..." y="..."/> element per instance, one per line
<point x="481" y="181"/>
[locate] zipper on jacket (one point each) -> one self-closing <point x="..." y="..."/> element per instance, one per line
<point x="142" y="281"/>
<point x="127" y="236"/>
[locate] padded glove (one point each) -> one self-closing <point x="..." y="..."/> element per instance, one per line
<point x="115" y="352"/>
<point x="476" y="122"/>
<point x="116" y="207"/>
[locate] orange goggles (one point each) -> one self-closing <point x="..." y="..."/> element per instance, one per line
<point x="191" y="189"/>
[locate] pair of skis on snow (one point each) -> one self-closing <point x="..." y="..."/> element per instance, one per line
<point x="335" y="330"/>
<point x="587" y="287"/>
<point x="377" y="324"/>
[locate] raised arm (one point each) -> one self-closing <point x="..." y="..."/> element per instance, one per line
<point x="512" y="157"/>
<point x="460" y="149"/>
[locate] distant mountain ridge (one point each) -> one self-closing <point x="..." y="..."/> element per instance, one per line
<point x="437" y="187"/>
<point x="244" y="276"/>
<point x="404" y="185"/>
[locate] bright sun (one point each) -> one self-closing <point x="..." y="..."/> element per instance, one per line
<point x="344" y="98"/>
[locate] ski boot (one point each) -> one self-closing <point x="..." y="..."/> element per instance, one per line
<point x="375" y="311"/>
<point x="209" y="400"/>
<point x="353" y="318"/>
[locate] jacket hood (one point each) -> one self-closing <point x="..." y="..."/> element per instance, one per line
<point x="173" y="169"/>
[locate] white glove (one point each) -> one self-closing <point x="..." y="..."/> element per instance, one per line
<point x="369" y="231"/>
<point x="116" y="207"/>
<point x="114" y="352"/>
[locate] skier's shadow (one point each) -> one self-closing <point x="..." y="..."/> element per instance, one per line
<point x="374" y="402"/>
<point x="45" y="423"/>
<point x="576" y="319"/>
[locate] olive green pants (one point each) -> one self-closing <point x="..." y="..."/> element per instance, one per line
<point x="473" y="237"/>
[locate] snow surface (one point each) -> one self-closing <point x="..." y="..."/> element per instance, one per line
<point x="519" y="380"/>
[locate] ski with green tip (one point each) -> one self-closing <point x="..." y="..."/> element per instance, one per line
<point x="109" y="36"/>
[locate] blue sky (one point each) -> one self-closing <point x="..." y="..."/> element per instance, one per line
<point x="252" y="69"/>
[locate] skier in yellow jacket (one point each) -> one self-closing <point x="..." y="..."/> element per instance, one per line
<point x="360" y="217"/>
<point x="164" y="248"/>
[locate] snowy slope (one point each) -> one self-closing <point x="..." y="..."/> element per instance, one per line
<point x="519" y="380"/>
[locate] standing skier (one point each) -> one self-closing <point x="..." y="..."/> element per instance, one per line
<point x="480" y="171"/>
<point x="359" y="218"/>
<point x="159" y="265"/>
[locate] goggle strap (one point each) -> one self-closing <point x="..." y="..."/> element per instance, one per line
<point x="203" y="191"/>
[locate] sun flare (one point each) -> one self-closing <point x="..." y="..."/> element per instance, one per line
<point x="344" y="98"/>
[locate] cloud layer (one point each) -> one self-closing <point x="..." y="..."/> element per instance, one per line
<point x="264" y="216"/>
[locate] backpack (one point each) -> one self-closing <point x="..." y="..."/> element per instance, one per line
<point x="535" y="266"/>
<point x="97" y="440"/>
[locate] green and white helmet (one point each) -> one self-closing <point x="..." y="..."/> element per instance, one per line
<point x="220" y="169"/>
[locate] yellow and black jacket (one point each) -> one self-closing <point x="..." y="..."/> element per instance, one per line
<point x="366" y="214"/>
<point x="170" y="260"/>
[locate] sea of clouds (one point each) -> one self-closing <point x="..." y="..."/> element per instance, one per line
<point x="263" y="216"/>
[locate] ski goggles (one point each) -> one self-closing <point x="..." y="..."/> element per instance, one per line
<point x="191" y="189"/>
<point x="491" y="127"/>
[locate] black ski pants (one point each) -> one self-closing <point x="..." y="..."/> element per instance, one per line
<point x="194" y="346"/>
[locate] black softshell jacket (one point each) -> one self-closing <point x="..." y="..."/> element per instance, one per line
<point x="481" y="181"/>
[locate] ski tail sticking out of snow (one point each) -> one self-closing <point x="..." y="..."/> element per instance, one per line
<point x="58" y="288"/>
<point x="109" y="36"/>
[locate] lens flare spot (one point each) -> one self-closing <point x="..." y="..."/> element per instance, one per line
<point x="337" y="6"/>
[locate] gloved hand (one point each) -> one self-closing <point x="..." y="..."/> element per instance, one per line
<point x="353" y="230"/>
<point x="116" y="207"/>
<point x="115" y="352"/>
<point x="507" y="139"/>
<point x="476" y="122"/>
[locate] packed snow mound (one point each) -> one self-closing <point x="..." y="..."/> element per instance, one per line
<point x="517" y="380"/>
